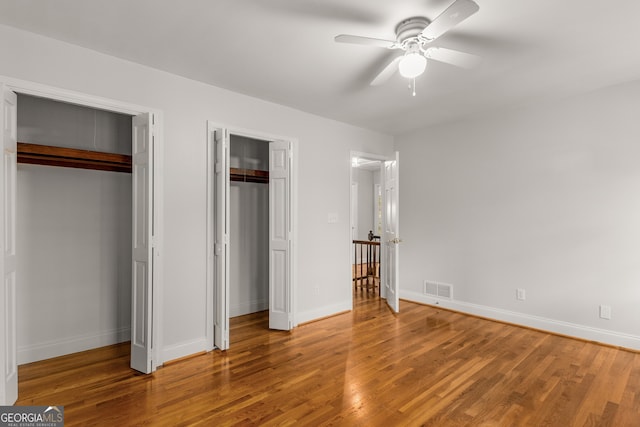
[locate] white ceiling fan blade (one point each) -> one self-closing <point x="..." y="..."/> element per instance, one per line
<point x="368" y="41"/>
<point x="452" y="16"/>
<point x="453" y="57"/>
<point x="387" y="72"/>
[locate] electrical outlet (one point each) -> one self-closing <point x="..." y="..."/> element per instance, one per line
<point x="521" y="294"/>
<point x="605" y="312"/>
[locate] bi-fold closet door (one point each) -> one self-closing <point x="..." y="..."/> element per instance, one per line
<point x="138" y="220"/>
<point x="8" y="333"/>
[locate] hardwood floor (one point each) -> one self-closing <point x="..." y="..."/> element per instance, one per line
<point x="369" y="367"/>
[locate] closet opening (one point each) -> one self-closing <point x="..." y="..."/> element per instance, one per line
<point x="250" y="229"/>
<point x="74" y="228"/>
<point x="26" y="337"/>
<point x="248" y="226"/>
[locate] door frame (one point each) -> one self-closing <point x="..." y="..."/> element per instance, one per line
<point x="369" y="156"/>
<point x="25" y="87"/>
<point x="210" y="197"/>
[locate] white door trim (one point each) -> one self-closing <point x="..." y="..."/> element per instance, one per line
<point x="248" y="133"/>
<point x="63" y="95"/>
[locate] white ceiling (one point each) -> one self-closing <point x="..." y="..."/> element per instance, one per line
<point x="283" y="50"/>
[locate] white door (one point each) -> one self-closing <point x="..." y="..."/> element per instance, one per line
<point x="8" y="357"/>
<point x="221" y="239"/>
<point x="142" y="267"/>
<point x="391" y="229"/>
<point x="280" y="300"/>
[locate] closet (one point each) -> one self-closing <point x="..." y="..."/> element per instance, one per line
<point x="74" y="210"/>
<point x="249" y="225"/>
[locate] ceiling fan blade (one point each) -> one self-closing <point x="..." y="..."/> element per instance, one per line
<point x="386" y="72"/>
<point x="452" y="16"/>
<point x="453" y="57"/>
<point x="368" y="41"/>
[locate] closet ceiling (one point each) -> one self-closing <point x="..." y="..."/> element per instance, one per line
<point x="283" y="50"/>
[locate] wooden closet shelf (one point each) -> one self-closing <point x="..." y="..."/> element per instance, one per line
<point x="36" y="154"/>
<point x="248" y="175"/>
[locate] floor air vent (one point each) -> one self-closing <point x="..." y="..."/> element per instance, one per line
<point x="438" y="290"/>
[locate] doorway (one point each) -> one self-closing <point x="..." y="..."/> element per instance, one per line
<point x="280" y="266"/>
<point x="146" y="227"/>
<point x="375" y="223"/>
<point x="366" y="225"/>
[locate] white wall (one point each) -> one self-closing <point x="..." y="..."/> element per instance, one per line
<point x="323" y="174"/>
<point x="73" y="235"/>
<point x="364" y="178"/>
<point x="249" y="230"/>
<point x="546" y="199"/>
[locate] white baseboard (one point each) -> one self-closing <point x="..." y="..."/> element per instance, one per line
<point x="61" y="347"/>
<point x="183" y="349"/>
<point x="321" y="312"/>
<point x="556" y="326"/>
<point x="248" y="307"/>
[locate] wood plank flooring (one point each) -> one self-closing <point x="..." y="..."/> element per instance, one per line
<point x="369" y="367"/>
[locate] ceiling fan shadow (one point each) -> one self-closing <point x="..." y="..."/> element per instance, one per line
<point x="482" y="45"/>
<point x="362" y="80"/>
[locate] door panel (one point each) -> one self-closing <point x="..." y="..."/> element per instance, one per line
<point x="8" y="359"/>
<point x="391" y="233"/>
<point x="221" y="239"/>
<point x="280" y="301"/>
<point x="142" y="280"/>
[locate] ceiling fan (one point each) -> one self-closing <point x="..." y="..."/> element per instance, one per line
<point x="413" y="36"/>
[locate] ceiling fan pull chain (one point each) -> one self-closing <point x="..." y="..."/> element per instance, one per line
<point x="413" y="84"/>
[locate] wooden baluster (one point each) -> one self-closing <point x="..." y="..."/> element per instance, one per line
<point x="355" y="266"/>
<point x="360" y="265"/>
<point x="375" y="268"/>
<point x="368" y="266"/>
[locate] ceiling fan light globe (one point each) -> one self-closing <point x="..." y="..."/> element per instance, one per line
<point x="412" y="65"/>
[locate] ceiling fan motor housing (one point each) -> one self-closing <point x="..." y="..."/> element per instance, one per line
<point x="411" y="28"/>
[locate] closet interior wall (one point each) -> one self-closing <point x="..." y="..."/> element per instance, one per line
<point x="249" y="229"/>
<point x="73" y="234"/>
